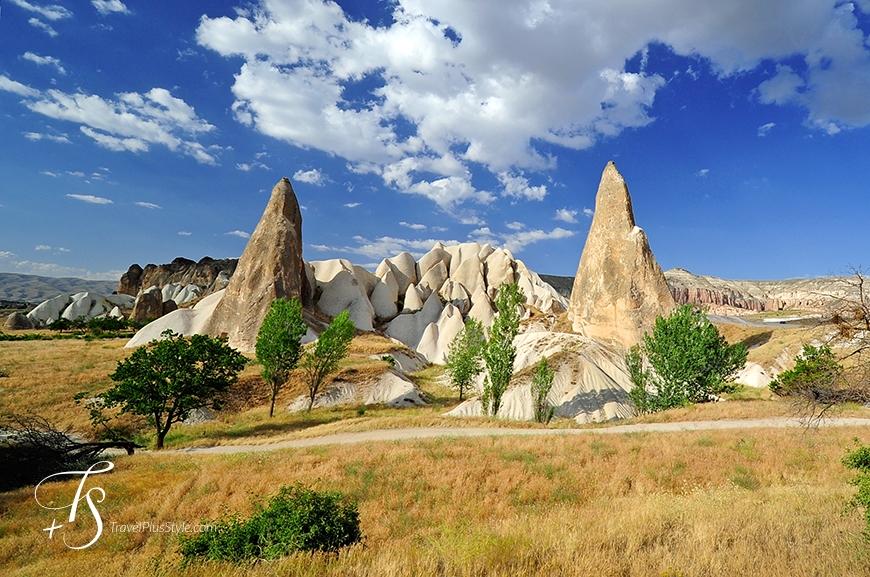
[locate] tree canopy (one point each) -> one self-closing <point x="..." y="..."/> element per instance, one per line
<point x="279" y="343"/>
<point x="500" y="352"/>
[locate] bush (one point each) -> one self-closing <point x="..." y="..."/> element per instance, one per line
<point x="815" y="368"/>
<point x="688" y="360"/>
<point x="296" y="519"/>
<point x="859" y="459"/>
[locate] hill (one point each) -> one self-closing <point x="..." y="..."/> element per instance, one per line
<point x="35" y="289"/>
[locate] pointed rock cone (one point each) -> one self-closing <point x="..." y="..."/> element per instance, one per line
<point x="271" y="267"/>
<point x="619" y="289"/>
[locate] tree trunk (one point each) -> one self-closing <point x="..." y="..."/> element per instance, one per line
<point x="272" y="406"/>
<point x="160" y="437"/>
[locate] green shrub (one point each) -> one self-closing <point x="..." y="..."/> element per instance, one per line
<point x="859" y="459"/>
<point x="815" y="368"/>
<point x="296" y="519"/>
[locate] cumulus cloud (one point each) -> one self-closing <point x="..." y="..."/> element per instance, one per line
<point x="44" y="60"/>
<point x="150" y="205"/>
<point x="765" y="128"/>
<point x="248" y="167"/>
<point x="52" y="269"/>
<point x="385" y="246"/>
<point x="42" y="247"/>
<point x="89" y="198"/>
<point x="413" y="226"/>
<point x="503" y="84"/>
<point x="313" y="176"/>
<point x="51" y="12"/>
<point x="36" y="136"/>
<point x="131" y="122"/>
<point x="37" y="23"/>
<point x="565" y="215"/>
<point x="352" y="204"/>
<point x="4" y="254"/>
<point x="59" y="249"/>
<point x="238" y="233"/>
<point x="588" y="212"/>
<point x="105" y="7"/>
<point x="705" y="171"/>
<point x="184" y="233"/>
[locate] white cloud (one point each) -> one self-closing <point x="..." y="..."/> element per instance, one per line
<point x="245" y="167"/>
<point x="43" y="60"/>
<point x="352" y="204"/>
<point x="385" y="246"/>
<point x="53" y="137"/>
<point x="150" y="205"/>
<point x="413" y="226"/>
<point x="507" y="95"/>
<point x="184" y="233"/>
<point x="704" y="171"/>
<point x="515" y="225"/>
<point x="77" y="174"/>
<point x="565" y="215"/>
<point x="313" y="176"/>
<point x="105" y="7"/>
<point x="765" y="128"/>
<point x="238" y="233"/>
<point x="42" y="247"/>
<point x="517" y="241"/>
<point x="59" y="249"/>
<point x="6" y="254"/>
<point x="50" y="12"/>
<point x="132" y="122"/>
<point x="37" y="23"/>
<point x="51" y="174"/>
<point x="588" y="212"/>
<point x="90" y="198"/>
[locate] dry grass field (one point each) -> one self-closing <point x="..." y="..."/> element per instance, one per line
<point x="769" y="502"/>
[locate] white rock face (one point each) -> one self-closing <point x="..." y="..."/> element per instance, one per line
<point x="591" y="383"/>
<point x="483" y="309"/>
<point x="342" y="291"/>
<point x="84" y="304"/>
<point x="436" y="339"/>
<point x="182" y="321"/>
<point x="434" y="279"/>
<point x="385" y="296"/>
<point x="431" y="258"/>
<point x="754" y="375"/>
<point x="409" y="328"/>
<point x="49" y="311"/>
<point x="413" y="299"/>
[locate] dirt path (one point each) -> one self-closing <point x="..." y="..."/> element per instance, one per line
<point x="431" y="433"/>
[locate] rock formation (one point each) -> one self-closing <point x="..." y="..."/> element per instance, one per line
<point x="270" y="267"/>
<point x="84" y="304"/>
<point x="18" y="322"/>
<point x="181" y="271"/>
<point x="619" y="289"/>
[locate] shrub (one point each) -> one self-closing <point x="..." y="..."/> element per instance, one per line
<point x="859" y="459"/>
<point x="296" y="519"/>
<point x="815" y="368"/>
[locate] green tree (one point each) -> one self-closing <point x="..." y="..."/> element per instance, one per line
<point x="167" y="379"/>
<point x="500" y="352"/>
<point x="689" y="361"/>
<point x="279" y="343"/>
<point x="323" y="358"/>
<point x="542" y="383"/>
<point x="465" y="356"/>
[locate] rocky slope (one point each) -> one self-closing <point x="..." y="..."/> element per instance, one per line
<point x="209" y="274"/>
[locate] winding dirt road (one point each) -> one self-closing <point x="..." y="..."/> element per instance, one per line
<point x="431" y="433"/>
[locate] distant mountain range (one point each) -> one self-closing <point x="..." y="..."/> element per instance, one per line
<point x="35" y="289"/>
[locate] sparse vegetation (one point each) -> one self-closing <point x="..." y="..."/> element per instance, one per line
<point x="465" y="356"/>
<point x="500" y="352"/>
<point x="685" y="360"/>
<point x="279" y="343"/>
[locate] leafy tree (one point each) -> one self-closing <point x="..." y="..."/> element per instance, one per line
<point x="542" y="383"/>
<point x="500" y="352"/>
<point x="279" y="343"/>
<point x="296" y="519"/>
<point x="689" y="361"/>
<point x="167" y="379"/>
<point x="323" y="358"/>
<point x="465" y="356"/>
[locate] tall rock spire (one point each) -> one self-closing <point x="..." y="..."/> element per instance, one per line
<point x="619" y="289"/>
<point x="270" y="267"/>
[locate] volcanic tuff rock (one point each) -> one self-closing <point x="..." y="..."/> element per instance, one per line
<point x="619" y="289"/>
<point x="271" y="267"/>
<point x="181" y="271"/>
<point x="18" y="322"/>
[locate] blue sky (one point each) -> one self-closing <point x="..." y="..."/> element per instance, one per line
<point x="142" y="131"/>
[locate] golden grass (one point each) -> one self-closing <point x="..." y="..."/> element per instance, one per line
<point x="765" y="502"/>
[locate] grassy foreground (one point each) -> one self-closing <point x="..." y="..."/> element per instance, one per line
<point x="756" y="502"/>
<point x="765" y="502"/>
